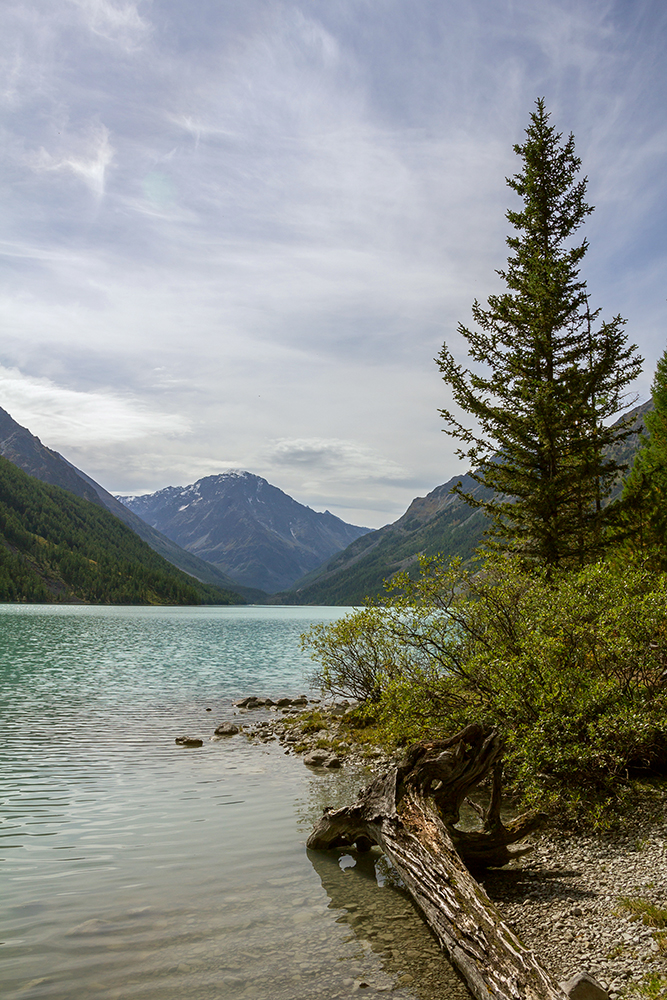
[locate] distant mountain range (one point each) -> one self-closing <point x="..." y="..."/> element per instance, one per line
<point x="237" y="532"/>
<point x="438" y="523"/>
<point x="27" y="452"/>
<point x="248" y="529"/>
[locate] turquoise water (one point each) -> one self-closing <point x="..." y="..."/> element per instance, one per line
<point x="134" y="868"/>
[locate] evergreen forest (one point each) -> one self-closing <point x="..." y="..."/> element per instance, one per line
<point x="57" y="547"/>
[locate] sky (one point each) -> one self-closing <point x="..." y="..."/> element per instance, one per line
<point x="235" y="233"/>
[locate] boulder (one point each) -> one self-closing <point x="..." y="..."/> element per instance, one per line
<point x="189" y="741"/>
<point x="226" y="729"/>
<point x="584" y="987"/>
<point x="317" y="758"/>
<point x="322" y="758"/>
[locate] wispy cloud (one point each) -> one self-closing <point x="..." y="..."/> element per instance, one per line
<point x="117" y="22"/>
<point x="88" y="157"/>
<point x="67" y="417"/>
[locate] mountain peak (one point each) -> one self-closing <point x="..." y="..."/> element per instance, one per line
<point x="238" y="520"/>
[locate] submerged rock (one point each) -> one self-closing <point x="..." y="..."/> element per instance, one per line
<point x="189" y="741"/>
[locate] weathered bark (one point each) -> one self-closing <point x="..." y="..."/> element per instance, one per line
<point x="411" y="813"/>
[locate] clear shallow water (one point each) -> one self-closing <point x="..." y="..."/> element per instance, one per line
<point x="134" y="868"/>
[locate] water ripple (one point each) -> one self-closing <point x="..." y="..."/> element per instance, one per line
<point x="134" y="868"/>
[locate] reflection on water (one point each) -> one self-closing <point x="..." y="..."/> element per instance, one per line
<point x="385" y="922"/>
<point x="135" y="868"/>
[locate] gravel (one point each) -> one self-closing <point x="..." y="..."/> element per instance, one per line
<point x="563" y="901"/>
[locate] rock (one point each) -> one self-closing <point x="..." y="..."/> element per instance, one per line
<point x="189" y="741"/>
<point x="333" y="762"/>
<point x="300" y="702"/>
<point x="284" y="702"/>
<point x="318" y="758"/>
<point x="243" y="702"/>
<point x="227" y="729"/>
<point x="584" y="987"/>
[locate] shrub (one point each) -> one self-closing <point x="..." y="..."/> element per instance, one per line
<point x="572" y="670"/>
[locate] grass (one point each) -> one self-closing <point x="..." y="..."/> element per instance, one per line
<point x="661" y="938"/>
<point x="651" y="987"/>
<point x="640" y="908"/>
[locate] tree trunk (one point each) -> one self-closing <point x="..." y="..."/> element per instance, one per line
<point x="411" y="813"/>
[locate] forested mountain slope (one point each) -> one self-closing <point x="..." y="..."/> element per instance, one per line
<point x="438" y="523"/>
<point x="58" y="547"/>
<point x="28" y="453"/>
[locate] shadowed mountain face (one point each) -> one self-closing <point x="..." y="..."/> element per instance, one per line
<point x="27" y="452"/>
<point x="248" y="529"/>
<point x="440" y="523"/>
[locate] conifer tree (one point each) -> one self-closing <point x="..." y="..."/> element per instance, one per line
<point x="645" y="490"/>
<point x="546" y="376"/>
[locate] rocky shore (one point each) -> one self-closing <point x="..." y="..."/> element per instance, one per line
<point x="580" y="903"/>
<point x="596" y="904"/>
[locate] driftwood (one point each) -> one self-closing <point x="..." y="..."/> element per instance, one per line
<point x="411" y="813"/>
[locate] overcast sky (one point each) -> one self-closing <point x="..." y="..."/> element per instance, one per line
<point x="235" y="233"/>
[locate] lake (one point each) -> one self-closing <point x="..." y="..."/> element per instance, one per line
<point x="134" y="868"/>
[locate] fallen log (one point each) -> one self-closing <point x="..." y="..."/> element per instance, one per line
<point x="411" y="812"/>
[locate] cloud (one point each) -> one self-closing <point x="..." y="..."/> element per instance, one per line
<point x="88" y="157"/>
<point x="71" y="418"/>
<point x="300" y="202"/>
<point x="322" y="458"/>
<point x="117" y="22"/>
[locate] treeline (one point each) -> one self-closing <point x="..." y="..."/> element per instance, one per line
<point x="56" y="547"/>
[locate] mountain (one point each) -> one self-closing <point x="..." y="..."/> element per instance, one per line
<point x="245" y="527"/>
<point x="27" y="452"/>
<point x="439" y="523"/>
<point x="58" y="547"/>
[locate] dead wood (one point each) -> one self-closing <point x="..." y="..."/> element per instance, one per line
<point x="411" y="812"/>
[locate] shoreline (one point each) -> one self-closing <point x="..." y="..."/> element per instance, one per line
<point x="562" y="898"/>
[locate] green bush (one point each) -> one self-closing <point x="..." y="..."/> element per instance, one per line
<point x="572" y="671"/>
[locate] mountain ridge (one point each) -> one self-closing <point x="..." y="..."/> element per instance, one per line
<point x="439" y="523"/>
<point x="252" y="531"/>
<point x="57" y="547"/>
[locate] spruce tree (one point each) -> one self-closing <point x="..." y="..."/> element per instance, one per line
<point x="546" y="376"/>
<point x="645" y="490"/>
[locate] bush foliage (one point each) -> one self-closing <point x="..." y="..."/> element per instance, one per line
<point x="572" y="671"/>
